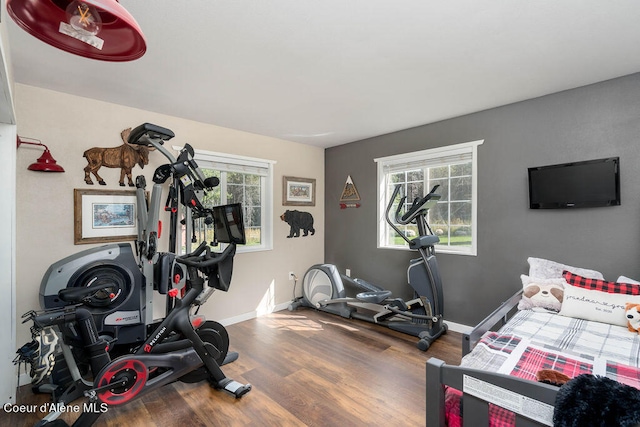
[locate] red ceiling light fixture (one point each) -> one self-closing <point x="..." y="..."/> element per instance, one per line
<point x="46" y="162"/>
<point x="95" y="29"/>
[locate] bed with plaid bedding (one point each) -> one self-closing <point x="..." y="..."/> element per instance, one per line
<point x="566" y="335"/>
<point x="532" y="341"/>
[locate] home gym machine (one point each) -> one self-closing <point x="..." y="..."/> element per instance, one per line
<point x="325" y="289"/>
<point x="98" y="303"/>
<point x="123" y="311"/>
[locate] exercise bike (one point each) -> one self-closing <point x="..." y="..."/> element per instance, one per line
<point x="182" y="347"/>
<point x="98" y="303"/>
<point x="325" y="289"/>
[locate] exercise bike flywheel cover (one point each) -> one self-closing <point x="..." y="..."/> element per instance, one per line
<point x="133" y="371"/>
<point x="105" y="273"/>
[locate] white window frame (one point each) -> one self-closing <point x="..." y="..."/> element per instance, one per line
<point x="235" y="163"/>
<point x="386" y="164"/>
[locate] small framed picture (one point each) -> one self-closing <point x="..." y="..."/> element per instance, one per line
<point x="104" y="216"/>
<point x="298" y="191"/>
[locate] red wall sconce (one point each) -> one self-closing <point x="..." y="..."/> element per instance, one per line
<point x="95" y="29"/>
<point x="46" y="162"/>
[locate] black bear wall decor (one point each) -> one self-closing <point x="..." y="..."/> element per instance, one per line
<point x="298" y="221"/>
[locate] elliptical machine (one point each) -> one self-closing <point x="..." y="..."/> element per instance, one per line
<point x="325" y="289"/>
<point x="97" y="304"/>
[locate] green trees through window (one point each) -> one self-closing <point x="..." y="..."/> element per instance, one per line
<point x="244" y="180"/>
<point x="453" y="170"/>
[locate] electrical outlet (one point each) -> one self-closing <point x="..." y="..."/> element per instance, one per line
<point x="348" y="272"/>
<point x="292" y="275"/>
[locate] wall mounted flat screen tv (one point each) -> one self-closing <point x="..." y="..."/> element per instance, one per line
<point x="591" y="183"/>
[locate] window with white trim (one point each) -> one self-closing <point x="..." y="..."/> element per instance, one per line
<point x="454" y="219"/>
<point x="244" y="180"/>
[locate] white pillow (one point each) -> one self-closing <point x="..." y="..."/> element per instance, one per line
<point x="623" y="279"/>
<point x="599" y="306"/>
<point x="545" y="269"/>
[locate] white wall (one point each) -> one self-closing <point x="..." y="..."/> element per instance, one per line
<point x="69" y="125"/>
<point x="7" y="223"/>
<point x="7" y="262"/>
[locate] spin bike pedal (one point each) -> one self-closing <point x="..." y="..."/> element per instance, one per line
<point x="232" y="386"/>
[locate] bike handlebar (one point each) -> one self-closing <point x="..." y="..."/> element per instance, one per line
<point x="195" y="258"/>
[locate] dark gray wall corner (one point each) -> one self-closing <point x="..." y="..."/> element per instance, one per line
<point x="590" y="122"/>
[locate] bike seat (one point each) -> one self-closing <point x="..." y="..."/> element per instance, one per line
<point x="373" y="297"/>
<point x="145" y="131"/>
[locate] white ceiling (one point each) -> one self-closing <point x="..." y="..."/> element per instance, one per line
<point x="328" y="72"/>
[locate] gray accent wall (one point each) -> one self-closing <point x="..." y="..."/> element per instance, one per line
<point x="595" y="121"/>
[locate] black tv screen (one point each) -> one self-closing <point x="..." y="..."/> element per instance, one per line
<point x="591" y="183"/>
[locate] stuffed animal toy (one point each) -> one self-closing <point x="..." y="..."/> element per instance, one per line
<point x="542" y="297"/>
<point x="633" y="316"/>
<point x="589" y="400"/>
<point x="551" y="376"/>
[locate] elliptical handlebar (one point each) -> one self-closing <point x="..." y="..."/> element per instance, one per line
<point x="419" y="204"/>
<point x="396" y="190"/>
<point x="419" y="207"/>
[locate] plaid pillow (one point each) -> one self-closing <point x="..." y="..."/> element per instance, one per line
<point x="601" y="285"/>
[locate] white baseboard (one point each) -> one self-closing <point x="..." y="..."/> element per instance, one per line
<point x="237" y="319"/>
<point x="253" y="314"/>
<point x="453" y="326"/>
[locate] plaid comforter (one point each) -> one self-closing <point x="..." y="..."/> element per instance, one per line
<point x="533" y="341"/>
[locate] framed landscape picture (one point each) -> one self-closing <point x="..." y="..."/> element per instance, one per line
<point x="298" y="191"/>
<point x="104" y="216"/>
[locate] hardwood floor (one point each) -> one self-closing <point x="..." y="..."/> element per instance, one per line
<point x="307" y="368"/>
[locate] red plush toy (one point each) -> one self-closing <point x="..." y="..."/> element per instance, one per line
<point x="553" y="377"/>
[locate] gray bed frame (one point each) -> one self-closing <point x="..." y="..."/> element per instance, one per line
<point x="531" y="401"/>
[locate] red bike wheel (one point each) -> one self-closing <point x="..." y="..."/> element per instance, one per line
<point x="128" y="378"/>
